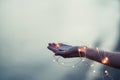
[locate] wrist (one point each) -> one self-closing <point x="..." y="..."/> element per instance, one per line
<point x="82" y="51"/>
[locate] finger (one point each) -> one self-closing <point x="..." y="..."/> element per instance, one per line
<point x="62" y="44"/>
<point x="52" y="49"/>
<point x="57" y="45"/>
<point x="51" y="44"/>
<point x="54" y="44"/>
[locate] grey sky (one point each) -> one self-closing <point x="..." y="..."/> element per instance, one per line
<point x="28" y="25"/>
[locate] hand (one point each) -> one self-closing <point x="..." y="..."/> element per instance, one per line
<point x="72" y="52"/>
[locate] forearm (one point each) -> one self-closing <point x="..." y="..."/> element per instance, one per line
<point x="108" y="58"/>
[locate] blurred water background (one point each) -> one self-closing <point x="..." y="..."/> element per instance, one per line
<point x="27" y="26"/>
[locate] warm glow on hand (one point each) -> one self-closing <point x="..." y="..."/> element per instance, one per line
<point x="57" y="45"/>
<point x="83" y="50"/>
<point x="105" y="60"/>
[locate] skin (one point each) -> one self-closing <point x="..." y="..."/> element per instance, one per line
<point x="92" y="54"/>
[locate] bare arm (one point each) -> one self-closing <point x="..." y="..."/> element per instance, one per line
<point x="108" y="58"/>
